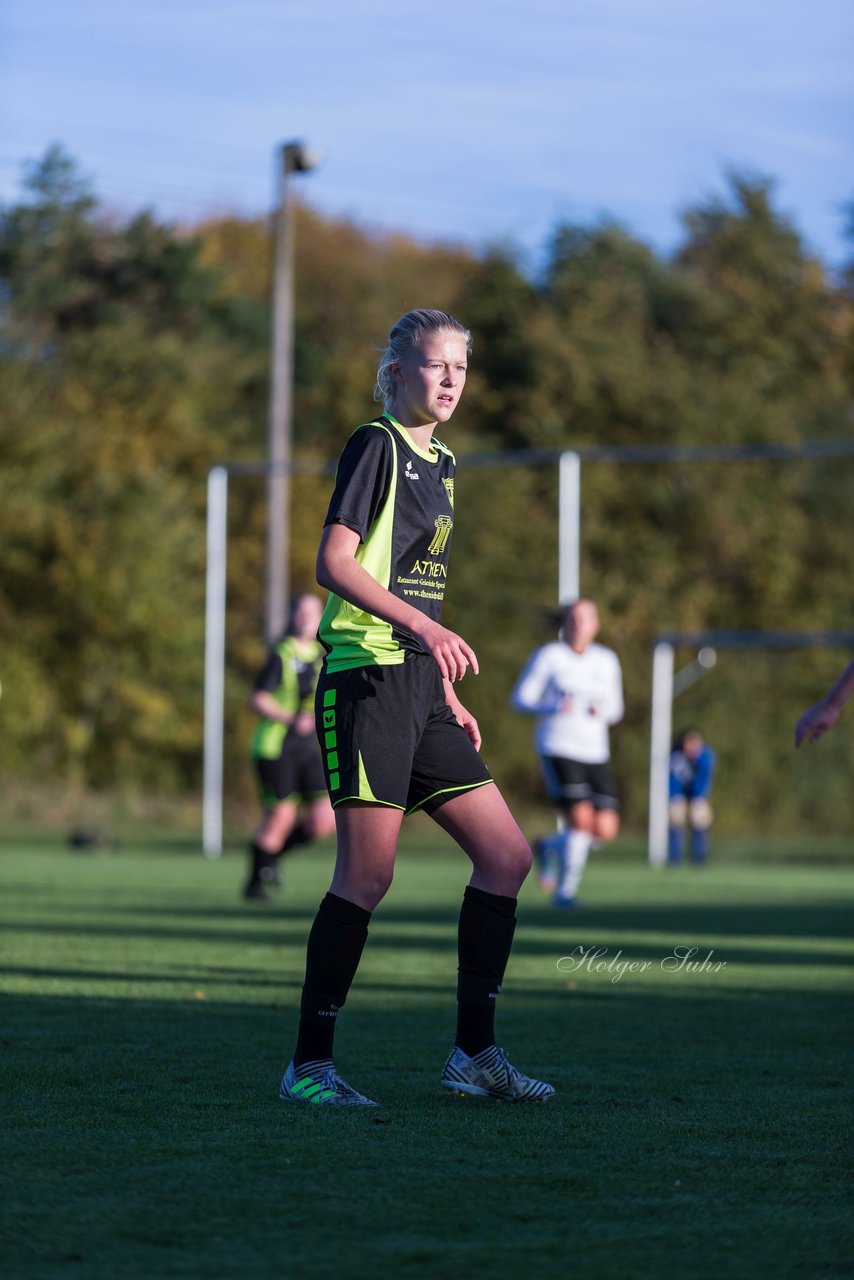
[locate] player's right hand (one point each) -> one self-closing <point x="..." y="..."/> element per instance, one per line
<point x="816" y="722"/>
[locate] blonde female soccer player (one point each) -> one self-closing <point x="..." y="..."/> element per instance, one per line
<point x="394" y="735"/>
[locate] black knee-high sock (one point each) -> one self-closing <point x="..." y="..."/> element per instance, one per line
<point x="298" y="835"/>
<point x="335" y="946"/>
<point x="487" y="925"/>
<point x="262" y="865"/>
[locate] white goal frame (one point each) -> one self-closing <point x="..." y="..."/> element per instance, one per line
<point x="667" y="685"/>
<point x="569" y="556"/>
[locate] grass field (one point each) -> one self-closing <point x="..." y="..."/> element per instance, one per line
<point x="700" y="1129"/>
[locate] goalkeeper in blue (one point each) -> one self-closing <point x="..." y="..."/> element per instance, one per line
<point x="692" y="768"/>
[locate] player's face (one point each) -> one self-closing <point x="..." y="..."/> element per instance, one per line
<point x="692" y="745"/>
<point x="581" y="625"/>
<point x="306" y="620"/>
<point x="430" y="379"/>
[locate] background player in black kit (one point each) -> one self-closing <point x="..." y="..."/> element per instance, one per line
<point x="285" y="750"/>
<point x="394" y="736"/>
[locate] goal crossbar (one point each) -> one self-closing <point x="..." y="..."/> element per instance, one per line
<point x="661" y="717"/>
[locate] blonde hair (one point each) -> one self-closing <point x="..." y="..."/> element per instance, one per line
<point x="404" y="337"/>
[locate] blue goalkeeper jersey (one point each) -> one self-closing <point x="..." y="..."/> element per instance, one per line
<point x="689" y="777"/>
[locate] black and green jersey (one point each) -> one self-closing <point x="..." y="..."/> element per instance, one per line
<point x="400" y="501"/>
<point x="290" y="675"/>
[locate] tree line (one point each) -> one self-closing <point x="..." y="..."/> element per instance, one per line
<point x="134" y="356"/>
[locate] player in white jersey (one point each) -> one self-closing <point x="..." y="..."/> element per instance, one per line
<point x="575" y="689"/>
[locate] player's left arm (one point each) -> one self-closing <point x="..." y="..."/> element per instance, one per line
<point x="265" y="705"/>
<point x="461" y="715"/>
<point x="704" y="773"/>
<point x="614" y="706"/>
<point x="535" y="692"/>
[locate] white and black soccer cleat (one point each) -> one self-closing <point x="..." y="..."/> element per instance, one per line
<point x="490" y="1075"/>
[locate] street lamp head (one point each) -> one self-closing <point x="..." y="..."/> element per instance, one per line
<point x="298" y="158"/>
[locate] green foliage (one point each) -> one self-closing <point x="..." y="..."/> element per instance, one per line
<point x="134" y="356"/>
<point x="123" y="380"/>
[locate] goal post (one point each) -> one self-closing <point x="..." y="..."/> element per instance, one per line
<point x="666" y="685"/>
<point x="214" y="661"/>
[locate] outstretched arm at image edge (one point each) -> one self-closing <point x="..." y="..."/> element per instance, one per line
<point x="818" y="719"/>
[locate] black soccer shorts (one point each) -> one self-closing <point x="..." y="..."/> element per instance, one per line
<point x="571" y="782"/>
<point x="295" y="775"/>
<point x="387" y="735"/>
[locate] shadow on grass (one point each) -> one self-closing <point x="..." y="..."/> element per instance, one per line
<point x="129" y="1046"/>
<point x="543" y="930"/>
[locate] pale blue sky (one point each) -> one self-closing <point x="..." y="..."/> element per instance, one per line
<point x="476" y="121"/>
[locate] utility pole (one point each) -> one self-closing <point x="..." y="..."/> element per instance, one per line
<point x="292" y="157"/>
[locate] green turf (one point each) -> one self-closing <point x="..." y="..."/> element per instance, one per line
<point x="699" y="1129"/>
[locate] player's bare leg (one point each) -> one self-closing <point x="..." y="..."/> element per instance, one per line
<point x="276" y="826"/>
<point x="367" y="845"/>
<point x="485" y="829"/>
<point x="586" y="826"/>
<point x="320" y="819"/>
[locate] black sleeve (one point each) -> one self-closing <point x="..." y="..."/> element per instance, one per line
<point x="270" y="675"/>
<point x="362" y="480"/>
